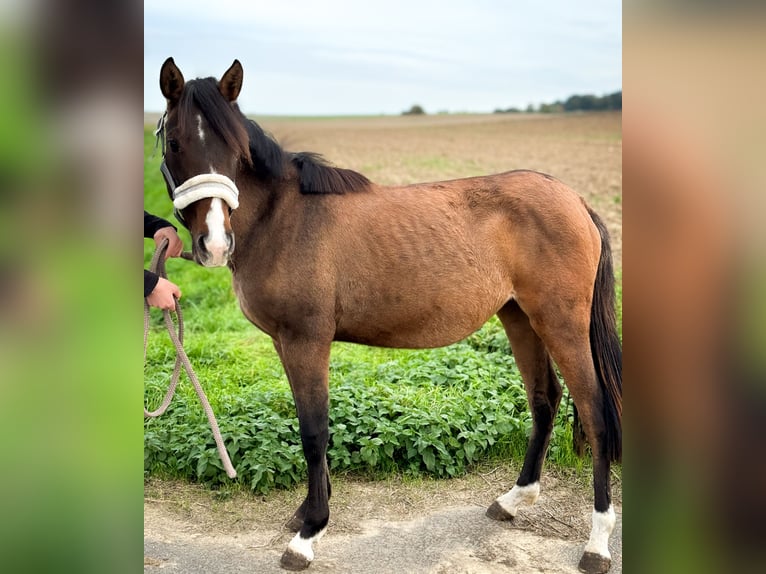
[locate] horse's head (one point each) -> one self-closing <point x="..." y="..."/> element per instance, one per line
<point x="204" y="143"/>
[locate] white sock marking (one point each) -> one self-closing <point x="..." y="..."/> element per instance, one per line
<point x="304" y="546"/>
<point x="603" y="524"/>
<point x="518" y="495"/>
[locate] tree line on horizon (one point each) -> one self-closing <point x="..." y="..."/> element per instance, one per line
<point x="574" y="103"/>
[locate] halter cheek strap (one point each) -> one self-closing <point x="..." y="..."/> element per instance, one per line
<point x="205" y="186"/>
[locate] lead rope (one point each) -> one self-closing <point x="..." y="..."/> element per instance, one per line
<point x="158" y="267"/>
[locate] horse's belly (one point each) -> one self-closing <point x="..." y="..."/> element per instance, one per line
<point x="418" y="324"/>
<point x="409" y="336"/>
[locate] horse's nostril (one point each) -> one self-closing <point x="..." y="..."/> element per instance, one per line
<point x="230" y="241"/>
<point x="201" y="244"/>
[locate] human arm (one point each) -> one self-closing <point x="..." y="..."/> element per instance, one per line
<point x="159" y="229"/>
<point x="159" y="292"/>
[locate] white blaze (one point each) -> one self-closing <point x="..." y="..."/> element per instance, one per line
<point x="215" y="240"/>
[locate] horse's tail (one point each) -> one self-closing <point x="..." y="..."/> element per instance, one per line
<point x="606" y="351"/>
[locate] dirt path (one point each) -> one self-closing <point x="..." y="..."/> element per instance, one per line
<point x="434" y="527"/>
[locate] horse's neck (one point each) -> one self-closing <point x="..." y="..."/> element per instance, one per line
<point x="262" y="204"/>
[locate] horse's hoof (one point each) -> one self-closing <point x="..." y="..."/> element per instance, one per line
<point x="293" y="561"/>
<point x="497" y="512"/>
<point x="294" y="524"/>
<point x="593" y="563"/>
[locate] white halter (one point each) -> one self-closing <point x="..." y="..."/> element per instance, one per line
<point x="204" y="186"/>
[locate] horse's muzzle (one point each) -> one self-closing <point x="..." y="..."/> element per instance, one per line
<point x="213" y="252"/>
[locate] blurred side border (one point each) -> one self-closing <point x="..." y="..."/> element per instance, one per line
<point x="71" y="177"/>
<point x="694" y="284"/>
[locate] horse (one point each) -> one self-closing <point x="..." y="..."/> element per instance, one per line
<point x="324" y="254"/>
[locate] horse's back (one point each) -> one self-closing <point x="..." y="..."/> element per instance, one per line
<point x="479" y="222"/>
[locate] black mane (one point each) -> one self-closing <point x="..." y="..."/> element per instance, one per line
<point x="260" y="149"/>
<point x="317" y="176"/>
<point x="269" y="159"/>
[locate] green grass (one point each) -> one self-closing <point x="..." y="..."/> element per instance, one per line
<point x="410" y="412"/>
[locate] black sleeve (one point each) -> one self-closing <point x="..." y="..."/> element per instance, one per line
<point x="152" y="223"/>
<point x="150" y="282"/>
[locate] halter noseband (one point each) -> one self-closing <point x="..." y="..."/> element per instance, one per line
<point x="203" y="186"/>
<point x="206" y="185"/>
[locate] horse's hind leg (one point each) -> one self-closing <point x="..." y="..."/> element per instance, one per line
<point x="564" y="330"/>
<point x="543" y="394"/>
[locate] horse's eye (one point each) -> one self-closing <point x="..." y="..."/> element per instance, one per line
<point x="173" y="145"/>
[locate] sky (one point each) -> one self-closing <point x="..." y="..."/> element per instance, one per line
<point x="343" y="57"/>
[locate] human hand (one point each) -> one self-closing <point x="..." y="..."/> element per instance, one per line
<point x="162" y="295"/>
<point x="175" y="245"/>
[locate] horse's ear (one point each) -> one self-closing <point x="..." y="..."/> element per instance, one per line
<point x="231" y="82"/>
<point x="171" y="81"/>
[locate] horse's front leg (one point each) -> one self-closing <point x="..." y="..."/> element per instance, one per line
<point x="296" y="521"/>
<point x="306" y="364"/>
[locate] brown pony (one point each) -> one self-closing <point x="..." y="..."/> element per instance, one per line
<point x="323" y="254"/>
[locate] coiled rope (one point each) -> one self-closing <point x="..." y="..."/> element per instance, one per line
<point x="158" y="267"/>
